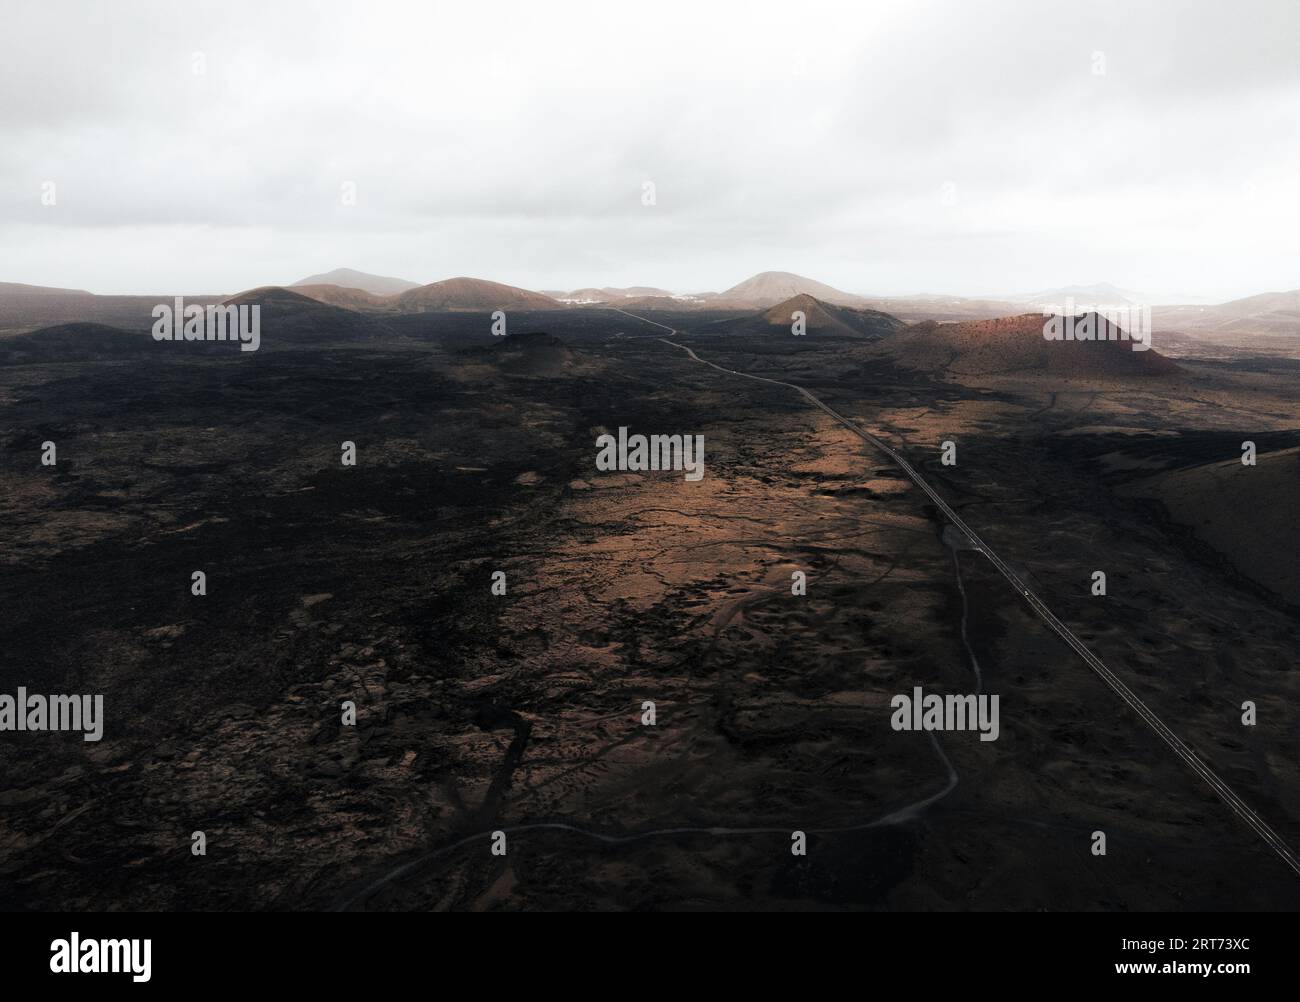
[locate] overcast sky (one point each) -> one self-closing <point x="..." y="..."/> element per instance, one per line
<point x="884" y="148"/>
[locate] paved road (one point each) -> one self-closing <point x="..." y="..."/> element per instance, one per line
<point x="1180" y="748"/>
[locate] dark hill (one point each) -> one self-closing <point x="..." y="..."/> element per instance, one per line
<point x="77" y="342"/>
<point x="821" y="319"/>
<point x="289" y="318"/>
<point x="532" y="353"/>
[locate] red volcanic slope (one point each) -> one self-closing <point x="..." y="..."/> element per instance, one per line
<point x="1016" y="346"/>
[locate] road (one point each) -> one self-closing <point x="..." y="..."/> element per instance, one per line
<point x="1036" y="604"/>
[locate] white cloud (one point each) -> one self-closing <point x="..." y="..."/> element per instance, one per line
<point x="511" y="141"/>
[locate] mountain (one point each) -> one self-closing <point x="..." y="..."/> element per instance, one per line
<point x="1271" y="313"/>
<point x="1015" y="346"/>
<point x="19" y="289"/>
<point x="958" y="309"/>
<point x="771" y="287"/>
<point x="349" y="278"/>
<point x="270" y="295"/>
<point x="347" y="298"/>
<point x="290" y="318"/>
<point x="1263" y="304"/>
<point x="472" y="294"/>
<point x="827" y="318"/>
<point x="29" y="307"/>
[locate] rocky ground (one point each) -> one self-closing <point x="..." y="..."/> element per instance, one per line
<point x="523" y="712"/>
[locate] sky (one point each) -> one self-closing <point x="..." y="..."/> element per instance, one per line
<point x="885" y="148"/>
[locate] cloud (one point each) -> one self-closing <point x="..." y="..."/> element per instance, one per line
<point x="884" y="148"/>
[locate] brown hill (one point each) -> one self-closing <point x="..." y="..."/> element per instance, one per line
<point x="472" y="294"/>
<point x="1015" y="346"/>
<point x="348" y="299"/>
<point x="29" y="307"/>
<point x="827" y="318"/>
<point x="290" y="318"/>
<point x="768" y="288"/>
<point x="820" y="319"/>
<point x="1272" y="313"/>
<point x="270" y="295"/>
<point x="19" y="289"/>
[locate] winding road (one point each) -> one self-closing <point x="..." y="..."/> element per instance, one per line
<point x="1039" y="607"/>
<point x="359" y="894"/>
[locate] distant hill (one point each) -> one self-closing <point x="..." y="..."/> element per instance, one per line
<point x="771" y="287"/>
<point x="19" y="289"/>
<point x="820" y="319"/>
<point x="290" y="318"/>
<point x="960" y="309"/>
<point x="31" y="307"/>
<point x="347" y="298"/>
<point x="1015" y="346"/>
<point x="1267" y="302"/>
<point x="827" y="318"/>
<point x="275" y="295"/>
<point x="472" y="294"/>
<point x="1272" y="313"/>
<point x="348" y="278"/>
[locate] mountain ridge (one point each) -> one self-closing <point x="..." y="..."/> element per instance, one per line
<point x="350" y="278"/>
